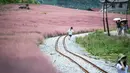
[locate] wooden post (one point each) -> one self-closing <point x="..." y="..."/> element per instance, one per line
<point x="107" y="19"/>
<point x="103" y="18"/>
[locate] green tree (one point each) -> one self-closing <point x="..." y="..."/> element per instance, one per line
<point x="128" y="6"/>
<point x="17" y="1"/>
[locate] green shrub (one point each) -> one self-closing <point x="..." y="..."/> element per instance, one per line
<point x="128" y="31"/>
<point x="17" y="1"/>
<point x="107" y="47"/>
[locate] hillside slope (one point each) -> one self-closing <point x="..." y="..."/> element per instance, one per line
<point x="76" y="4"/>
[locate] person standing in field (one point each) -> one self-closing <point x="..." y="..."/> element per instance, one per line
<point x="119" y="28"/>
<point x="70" y="32"/>
<point x="121" y="65"/>
<point x="124" y="25"/>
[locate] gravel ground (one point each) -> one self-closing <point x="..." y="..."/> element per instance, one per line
<point x="73" y="47"/>
<point x="87" y="66"/>
<point x="60" y="62"/>
<point x="65" y="65"/>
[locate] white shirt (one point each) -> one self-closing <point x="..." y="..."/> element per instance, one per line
<point x="70" y="32"/>
<point x="119" y="68"/>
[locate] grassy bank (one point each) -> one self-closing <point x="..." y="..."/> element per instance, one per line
<point x="107" y="47"/>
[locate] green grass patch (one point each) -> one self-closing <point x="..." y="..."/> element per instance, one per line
<point x="128" y="31"/>
<point x="107" y="47"/>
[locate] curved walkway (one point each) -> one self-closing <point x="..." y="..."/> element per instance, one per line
<point x="65" y="65"/>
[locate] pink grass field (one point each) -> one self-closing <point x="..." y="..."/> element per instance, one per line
<point x="20" y="31"/>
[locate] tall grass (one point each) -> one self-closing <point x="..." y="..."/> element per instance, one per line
<point x="107" y="47"/>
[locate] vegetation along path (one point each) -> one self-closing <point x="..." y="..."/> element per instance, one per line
<point x="63" y="64"/>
